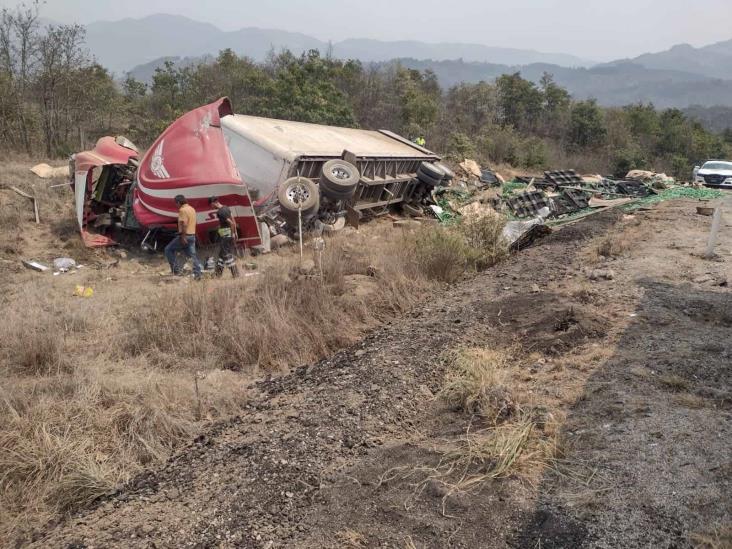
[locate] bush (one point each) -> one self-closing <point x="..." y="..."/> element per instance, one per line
<point x="500" y="144"/>
<point x="625" y="160"/>
<point x="533" y="153"/>
<point x="484" y="238"/>
<point x="441" y="254"/>
<point x="460" y="147"/>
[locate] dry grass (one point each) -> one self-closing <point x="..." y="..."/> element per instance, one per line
<point x="477" y="383"/>
<point x="351" y="538"/>
<point x="510" y="437"/>
<point x="718" y="538"/>
<point x="484" y="238"/>
<point x="441" y="254"/>
<point x="94" y="390"/>
<point x="674" y="382"/>
<point x="284" y="318"/>
<point x="612" y="245"/>
<point x="514" y="446"/>
<point x="445" y="254"/>
<point x="690" y="400"/>
<point x="67" y="439"/>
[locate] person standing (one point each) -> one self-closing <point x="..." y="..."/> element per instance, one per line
<point x="227" y="238"/>
<point x="186" y="240"/>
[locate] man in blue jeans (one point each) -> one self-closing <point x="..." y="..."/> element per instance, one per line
<point x="186" y="240"/>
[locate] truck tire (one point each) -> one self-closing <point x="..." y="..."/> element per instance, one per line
<point x="296" y="193"/>
<point x="337" y="225"/>
<point x="411" y="210"/>
<point x="431" y="170"/>
<point x="449" y="174"/>
<point x="339" y="179"/>
<point x="428" y="179"/>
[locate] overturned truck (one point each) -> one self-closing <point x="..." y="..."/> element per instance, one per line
<point x="278" y="177"/>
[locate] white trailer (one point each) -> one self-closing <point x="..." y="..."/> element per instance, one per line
<point x="273" y="155"/>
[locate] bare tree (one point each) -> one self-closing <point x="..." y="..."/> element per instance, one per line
<point x="18" y="47"/>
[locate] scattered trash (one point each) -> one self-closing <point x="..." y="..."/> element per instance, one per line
<point x="471" y="168"/>
<point x="443" y="214"/>
<point x="44" y="171"/>
<point x="63" y="264"/>
<point x="520" y="234"/>
<point x="596" y="202"/>
<point x="656" y="180"/>
<point x="528" y="203"/>
<point x="569" y="201"/>
<point x="82" y="291"/>
<point x="563" y="177"/>
<point x="490" y="178"/>
<point x="35" y="266"/>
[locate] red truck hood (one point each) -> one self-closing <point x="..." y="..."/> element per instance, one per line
<point x="192" y="158"/>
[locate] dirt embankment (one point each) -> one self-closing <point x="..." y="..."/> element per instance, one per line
<point x="635" y="370"/>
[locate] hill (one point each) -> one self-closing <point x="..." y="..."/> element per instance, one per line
<point x="713" y="61"/>
<point x="611" y="85"/>
<point x="165" y="35"/>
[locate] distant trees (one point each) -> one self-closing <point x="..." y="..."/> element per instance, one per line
<point x="51" y="92"/>
<point x="587" y="125"/>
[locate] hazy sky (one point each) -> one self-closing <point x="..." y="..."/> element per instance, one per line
<point x="595" y="29"/>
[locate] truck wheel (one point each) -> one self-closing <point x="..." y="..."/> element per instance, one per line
<point x="428" y="179"/>
<point x="449" y="174"/>
<point x="338" y="224"/>
<point x="298" y="193"/>
<point x="339" y="179"/>
<point x="412" y="211"/>
<point x="431" y="170"/>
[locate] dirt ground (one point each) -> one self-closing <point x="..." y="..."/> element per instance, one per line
<point x="635" y="368"/>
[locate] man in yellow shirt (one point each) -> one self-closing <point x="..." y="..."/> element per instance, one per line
<point x="186" y="240"/>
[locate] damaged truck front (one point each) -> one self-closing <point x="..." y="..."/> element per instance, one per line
<point x="277" y="176"/>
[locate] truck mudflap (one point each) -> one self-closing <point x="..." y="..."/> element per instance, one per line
<point x="191" y="158"/>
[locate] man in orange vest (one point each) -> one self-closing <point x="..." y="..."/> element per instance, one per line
<point x="186" y="240"/>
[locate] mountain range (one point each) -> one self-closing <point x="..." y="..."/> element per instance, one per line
<point x="122" y="45"/>
<point x="678" y="77"/>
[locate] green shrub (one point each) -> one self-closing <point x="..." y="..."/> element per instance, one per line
<point x="533" y="153"/>
<point x="460" y="147"/>
<point x="628" y="159"/>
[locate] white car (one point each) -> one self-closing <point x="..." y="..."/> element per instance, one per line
<point x="715" y="173"/>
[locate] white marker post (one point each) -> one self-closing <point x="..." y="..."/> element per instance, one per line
<point x="716" y="223"/>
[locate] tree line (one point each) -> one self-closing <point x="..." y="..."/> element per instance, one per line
<point x="54" y="98"/>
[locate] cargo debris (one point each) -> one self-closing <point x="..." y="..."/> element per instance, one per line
<point x="44" y="171"/>
<point x="35" y="265"/>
